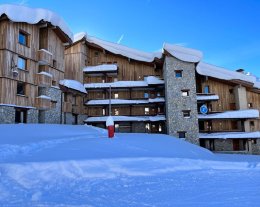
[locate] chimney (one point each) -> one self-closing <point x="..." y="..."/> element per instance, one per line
<point x="240" y="70"/>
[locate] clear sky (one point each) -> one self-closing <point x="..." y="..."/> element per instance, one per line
<point x="226" y="31"/>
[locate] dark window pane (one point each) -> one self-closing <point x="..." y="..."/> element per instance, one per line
<point x="20" y="88"/>
<point x="178" y="74"/>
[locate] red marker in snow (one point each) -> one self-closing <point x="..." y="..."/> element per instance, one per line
<point x="110" y="126"/>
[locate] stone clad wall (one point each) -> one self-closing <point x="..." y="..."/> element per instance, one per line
<point x="176" y="103"/>
<point x="52" y="116"/>
<point x="7" y="115"/>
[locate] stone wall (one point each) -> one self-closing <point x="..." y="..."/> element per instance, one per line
<point x="176" y="103"/>
<point x="52" y="116"/>
<point x="7" y="115"/>
<point x="32" y="116"/>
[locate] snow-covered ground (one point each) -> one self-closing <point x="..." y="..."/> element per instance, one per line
<point x="58" y="165"/>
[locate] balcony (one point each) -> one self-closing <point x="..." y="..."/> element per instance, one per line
<point x="44" y="57"/>
<point x="43" y="102"/>
<point x="44" y="79"/>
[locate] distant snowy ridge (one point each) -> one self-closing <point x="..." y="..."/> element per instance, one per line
<point x="19" y="13"/>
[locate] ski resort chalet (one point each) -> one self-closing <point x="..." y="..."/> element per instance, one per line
<point x="49" y="75"/>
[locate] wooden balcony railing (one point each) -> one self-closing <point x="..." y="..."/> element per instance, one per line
<point x="43" y="79"/>
<point x="42" y="103"/>
<point x="44" y="57"/>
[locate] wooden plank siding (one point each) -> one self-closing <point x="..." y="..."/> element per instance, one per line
<point x="254" y="98"/>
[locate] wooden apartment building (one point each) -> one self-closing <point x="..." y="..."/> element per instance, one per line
<point x="43" y="71"/>
<point x="32" y="66"/>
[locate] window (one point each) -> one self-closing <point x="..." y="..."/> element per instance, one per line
<point x="234" y="125"/>
<point x="160" y="127"/>
<point x="22" y="63"/>
<point x="231" y="91"/>
<point x="20" y="116"/>
<point x="96" y="53"/>
<point x="146" y="110"/>
<point x="116" y="95"/>
<point x="116" y="127"/>
<point x="232" y="106"/>
<point x="186" y="113"/>
<point x="103" y="112"/>
<point x="147" y="127"/>
<point x="53" y="83"/>
<point x="53" y="104"/>
<point x="250" y="105"/>
<point x="74" y="100"/>
<point x="65" y="97"/>
<point x="116" y="112"/>
<point x="252" y="123"/>
<point x="54" y="63"/>
<point x="178" y="73"/>
<point x="185" y="93"/>
<point x="182" y="134"/>
<point x="146" y="95"/>
<point x="23" y="38"/>
<point x="20" y="88"/>
<point x="206" y="89"/>
<point x="209" y="125"/>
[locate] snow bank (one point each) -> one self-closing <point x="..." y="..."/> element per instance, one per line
<point x="183" y="53"/>
<point x="18" y="13"/>
<point x="126" y="118"/>
<point x="73" y="84"/>
<point x="119" y="49"/>
<point x="224" y="74"/>
<point x="230" y="135"/>
<point x="125" y="101"/>
<point x="239" y="114"/>
<point x="101" y="68"/>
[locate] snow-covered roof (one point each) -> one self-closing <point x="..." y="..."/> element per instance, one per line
<point x="118" y="49"/>
<point x="224" y="74"/>
<point x="239" y="114"/>
<point x="101" y="68"/>
<point x="150" y="80"/>
<point x="73" y="84"/>
<point x="207" y="97"/>
<point x="19" y="13"/>
<point x="230" y="135"/>
<point x="124" y="101"/>
<point x="183" y="53"/>
<point x="127" y="118"/>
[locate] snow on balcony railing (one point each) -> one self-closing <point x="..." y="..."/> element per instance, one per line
<point x="239" y="114"/>
<point x="101" y="68"/>
<point x="207" y="97"/>
<point x="150" y="80"/>
<point x="127" y="118"/>
<point x="230" y="135"/>
<point x="124" y="101"/>
<point x="73" y="84"/>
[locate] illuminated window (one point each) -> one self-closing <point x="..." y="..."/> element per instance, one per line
<point x="146" y="110"/>
<point x="185" y="92"/>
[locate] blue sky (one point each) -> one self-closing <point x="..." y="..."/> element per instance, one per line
<point x="227" y="31"/>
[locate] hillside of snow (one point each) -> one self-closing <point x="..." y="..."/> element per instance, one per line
<point x="63" y="165"/>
